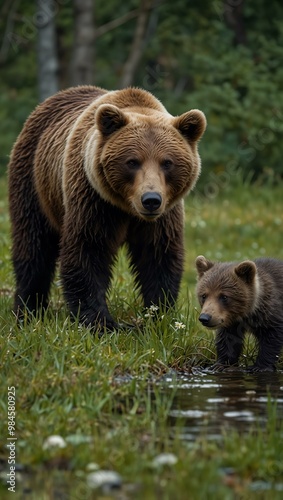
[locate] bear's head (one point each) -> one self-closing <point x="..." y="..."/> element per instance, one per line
<point x="144" y="160"/>
<point x="227" y="292"/>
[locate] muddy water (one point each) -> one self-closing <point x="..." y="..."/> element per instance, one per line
<point x="210" y="403"/>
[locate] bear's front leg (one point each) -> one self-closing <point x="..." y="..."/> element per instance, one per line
<point x="270" y="344"/>
<point x="86" y="262"/>
<point x="229" y="345"/>
<point x="156" y="252"/>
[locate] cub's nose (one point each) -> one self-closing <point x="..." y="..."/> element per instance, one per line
<point x="151" y="201"/>
<point x="205" y="319"/>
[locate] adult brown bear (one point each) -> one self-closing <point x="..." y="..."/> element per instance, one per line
<point x="92" y="170"/>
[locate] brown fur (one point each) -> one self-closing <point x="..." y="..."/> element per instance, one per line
<point x="79" y="176"/>
<point x="240" y="297"/>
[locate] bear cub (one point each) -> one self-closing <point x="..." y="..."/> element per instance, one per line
<point x="91" y="171"/>
<point x="236" y="298"/>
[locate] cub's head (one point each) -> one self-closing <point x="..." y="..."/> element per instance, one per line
<point x="227" y="291"/>
<point x="144" y="160"/>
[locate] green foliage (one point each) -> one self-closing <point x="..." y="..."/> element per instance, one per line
<point x="190" y="59"/>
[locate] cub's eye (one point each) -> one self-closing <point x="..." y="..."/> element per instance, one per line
<point x="223" y="298"/>
<point x="203" y="297"/>
<point x="133" y="163"/>
<point x="167" y="164"/>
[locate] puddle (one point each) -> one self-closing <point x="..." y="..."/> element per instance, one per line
<point x="204" y="404"/>
<point x="210" y="403"/>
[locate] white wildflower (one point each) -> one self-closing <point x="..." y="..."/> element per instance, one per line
<point x="179" y="325"/>
<point x="150" y="311"/>
<point x="92" y="466"/>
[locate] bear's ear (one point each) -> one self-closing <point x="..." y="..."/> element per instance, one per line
<point x="109" y="118"/>
<point x="246" y="270"/>
<point x="203" y="265"/>
<point x="191" y="124"/>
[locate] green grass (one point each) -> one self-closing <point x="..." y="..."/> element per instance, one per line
<point x="102" y="396"/>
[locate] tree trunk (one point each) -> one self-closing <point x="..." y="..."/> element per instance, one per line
<point x="233" y="12"/>
<point x="137" y="45"/>
<point x="46" y="49"/>
<point x="83" y="51"/>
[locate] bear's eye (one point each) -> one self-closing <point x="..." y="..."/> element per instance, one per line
<point x="167" y="164"/>
<point x="203" y="297"/>
<point x="133" y="163"/>
<point x="223" y="298"/>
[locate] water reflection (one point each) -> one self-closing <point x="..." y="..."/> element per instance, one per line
<point x="210" y="403"/>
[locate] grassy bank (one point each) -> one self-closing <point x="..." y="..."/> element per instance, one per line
<point x="101" y="396"/>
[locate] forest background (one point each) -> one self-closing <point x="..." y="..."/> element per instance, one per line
<point x="104" y="396"/>
<point x="223" y="56"/>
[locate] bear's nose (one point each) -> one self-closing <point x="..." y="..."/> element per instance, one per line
<point x="205" y="319"/>
<point x="151" y="201"/>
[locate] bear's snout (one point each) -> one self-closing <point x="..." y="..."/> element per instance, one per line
<point x="205" y="319"/>
<point x="151" y="201"/>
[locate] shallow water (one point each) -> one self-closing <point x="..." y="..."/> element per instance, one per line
<point x="205" y="404"/>
<point x="210" y="403"/>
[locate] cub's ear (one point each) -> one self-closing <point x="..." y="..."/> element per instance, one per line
<point x="109" y="118"/>
<point x="191" y="124"/>
<point x="246" y="270"/>
<point x="203" y="265"/>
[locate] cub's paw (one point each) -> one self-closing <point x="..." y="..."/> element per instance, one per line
<point x="222" y="368"/>
<point x="260" y="369"/>
<point x="215" y="368"/>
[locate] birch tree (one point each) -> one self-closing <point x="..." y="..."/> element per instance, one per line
<point x="46" y="48"/>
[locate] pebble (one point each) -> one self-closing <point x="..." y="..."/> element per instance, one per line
<point x="165" y="459"/>
<point x="54" y="441"/>
<point x="105" y="479"/>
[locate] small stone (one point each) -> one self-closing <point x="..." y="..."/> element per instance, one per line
<point x="164" y="459"/>
<point x="105" y="479"/>
<point x="54" y="441"/>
